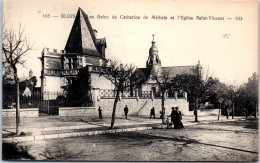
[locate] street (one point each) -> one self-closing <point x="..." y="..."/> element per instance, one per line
<point x="225" y="141"/>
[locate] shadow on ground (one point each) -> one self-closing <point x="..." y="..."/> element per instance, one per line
<point x="14" y="151"/>
<point x="141" y="139"/>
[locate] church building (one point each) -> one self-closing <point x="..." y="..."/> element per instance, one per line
<point x="154" y="67"/>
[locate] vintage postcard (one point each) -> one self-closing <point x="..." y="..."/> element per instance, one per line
<point x="152" y="80"/>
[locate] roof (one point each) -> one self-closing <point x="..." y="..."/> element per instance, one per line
<point x="173" y="71"/>
<point x="178" y="70"/>
<point x="82" y="37"/>
<point x="143" y="72"/>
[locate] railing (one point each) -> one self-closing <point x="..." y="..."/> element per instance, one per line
<point x="39" y="100"/>
<point x="99" y="69"/>
<point x="108" y="93"/>
<point x="54" y="72"/>
<point x="145" y="94"/>
<point x="63" y="72"/>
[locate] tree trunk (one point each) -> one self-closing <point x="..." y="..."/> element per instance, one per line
<point x="219" y="111"/>
<point x="196" y="109"/>
<point x="17" y="103"/>
<point x="114" y="109"/>
<point x="246" y="112"/>
<point x="163" y="109"/>
<point x="256" y="110"/>
<point x="233" y="110"/>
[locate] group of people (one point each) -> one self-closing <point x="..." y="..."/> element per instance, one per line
<point x="176" y="118"/>
<point x="175" y="115"/>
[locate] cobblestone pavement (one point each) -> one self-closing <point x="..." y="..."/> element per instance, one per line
<point x="227" y="141"/>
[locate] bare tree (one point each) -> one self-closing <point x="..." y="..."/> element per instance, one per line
<point x="121" y="76"/>
<point x="15" y="47"/>
<point x="163" y="80"/>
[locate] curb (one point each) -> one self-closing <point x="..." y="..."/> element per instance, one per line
<point x="75" y="134"/>
<point x="85" y="133"/>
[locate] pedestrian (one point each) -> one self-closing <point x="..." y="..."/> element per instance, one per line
<point x="173" y="114"/>
<point x="178" y="117"/>
<point x="99" y="112"/>
<point x="152" y="113"/>
<point x="126" y="111"/>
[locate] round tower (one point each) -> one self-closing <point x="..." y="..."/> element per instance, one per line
<point x="153" y="63"/>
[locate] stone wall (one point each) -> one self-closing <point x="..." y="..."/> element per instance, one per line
<point x="78" y="111"/>
<point x="142" y="106"/>
<point x="24" y="113"/>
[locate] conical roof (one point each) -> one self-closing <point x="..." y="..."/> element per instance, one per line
<point x="82" y="37"/>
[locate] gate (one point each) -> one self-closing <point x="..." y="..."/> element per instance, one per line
<point x="51" y="101"/>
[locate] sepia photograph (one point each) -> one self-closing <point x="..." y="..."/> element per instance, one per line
<point x="151" y="80"/>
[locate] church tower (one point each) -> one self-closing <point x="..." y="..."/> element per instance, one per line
<point x="153" y="63"/>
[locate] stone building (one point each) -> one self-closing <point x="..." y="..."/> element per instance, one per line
<point x="83" y="50"/>
<point x="154" y="66"/>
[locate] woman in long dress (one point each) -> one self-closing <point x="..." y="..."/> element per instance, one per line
<point x="177" y="119"/>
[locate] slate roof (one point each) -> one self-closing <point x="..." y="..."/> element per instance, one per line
<point x="178" y="70"/>
<point x="82" y="37"/>
<point x="174" y="70"/>
<point x="143" y="72"/>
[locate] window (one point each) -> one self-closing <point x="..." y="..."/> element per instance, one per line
<point x="71" y="63"/>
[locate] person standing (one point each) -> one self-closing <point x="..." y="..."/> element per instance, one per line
<point x="100" y="112"/>
<point x="173" y="115"/>
<point x="152" y="113"/>
<point x="177" y="122"/>
<point x="126" y="111"/>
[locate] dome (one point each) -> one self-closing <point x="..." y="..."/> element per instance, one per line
<point x="153" y="50"/>
<point x="153" y="58"/>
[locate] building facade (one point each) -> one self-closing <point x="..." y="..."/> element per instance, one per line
<point x="85" y="52"/>
<point x="82" y="50"/>
<point x="154" y="68"/>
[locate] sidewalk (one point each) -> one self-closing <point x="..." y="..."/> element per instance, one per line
<point x="48" y="127"/>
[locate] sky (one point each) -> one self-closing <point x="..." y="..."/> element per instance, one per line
<point x="227" y="48"/>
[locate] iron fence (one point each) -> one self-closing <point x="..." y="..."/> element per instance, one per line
<point x="47" y="102"/>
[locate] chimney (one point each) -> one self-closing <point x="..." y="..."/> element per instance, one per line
<point x="121" y="66"/>
<point x="30" y="73"/>
<point x="45" y="51"/>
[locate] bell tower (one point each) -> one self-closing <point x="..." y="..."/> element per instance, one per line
<point x="153" y="63"/>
